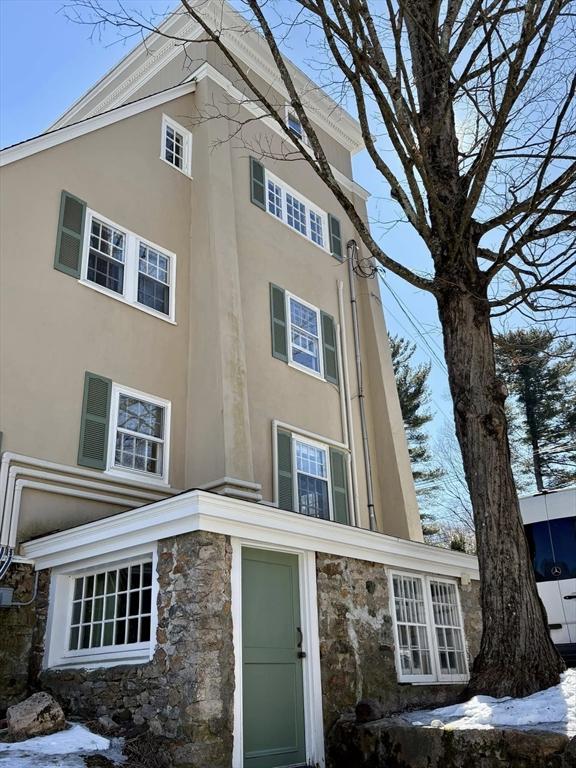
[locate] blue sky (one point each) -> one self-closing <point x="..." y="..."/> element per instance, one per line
<point x="47" y="62"/>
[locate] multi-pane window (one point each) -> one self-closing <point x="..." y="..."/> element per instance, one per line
<point x="106" y="256"/>
<point x="139" y="435"/>
<point x="154" y="279"/>
<point x="295" y="214"/>
<point x="127" y="267"/>
<point x="294" y="124"/>
<point x="274" y="199"/>
<point x="305" y="342"/>
<point x="312" y="479"/>
<point x="429" y="636"/>
<point x="316" y="229"/>
<point x="449" y="635"/>
<point x="112" y="608"/>
<point x="294" y="210"/>
<point x="176" y="145"/>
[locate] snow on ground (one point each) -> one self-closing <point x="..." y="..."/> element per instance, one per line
<point x="552" y="709"/>
<point x="59" y="750"/>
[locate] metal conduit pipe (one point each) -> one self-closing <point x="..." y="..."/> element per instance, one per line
<point x="352" y="252"/>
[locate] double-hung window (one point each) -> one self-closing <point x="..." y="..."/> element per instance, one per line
<point x="428" y="629"/>
<point x="312" y="478"/>
<point x="139" y="437"/>
<point x="123" y="430"/>
<point x="176" y="145"/>
<point x="108" y="257"/>
<point x="128" y="267"/>
<point x="305" y="335"/>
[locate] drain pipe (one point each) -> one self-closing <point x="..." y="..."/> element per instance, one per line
<point x="352" y="252"/>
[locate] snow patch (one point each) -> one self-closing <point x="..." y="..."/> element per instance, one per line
<point x="552" y="709"/>
<point x="59" y="750"/>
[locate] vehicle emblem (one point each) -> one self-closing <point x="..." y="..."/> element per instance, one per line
<point x="556" y="570"/>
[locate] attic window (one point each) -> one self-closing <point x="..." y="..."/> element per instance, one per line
<point x="176" y="145"/>
<point x="294" y="124"/>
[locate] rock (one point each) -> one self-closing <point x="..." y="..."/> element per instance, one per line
<point x="368" y="710"/>
<point x="36" y="716"/>
<point x="436" y="724"/>
<point x="107" y="724"/>
<point x="570" y="754"/>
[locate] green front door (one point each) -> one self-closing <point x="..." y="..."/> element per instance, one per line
<point x="271" y="666"/>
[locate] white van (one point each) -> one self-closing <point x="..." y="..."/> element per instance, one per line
<point x="550" y="525"/>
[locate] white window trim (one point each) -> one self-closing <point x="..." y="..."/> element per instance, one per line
<point x="293" y="363"/>
<point x="111" y="468"/>
<point x="315" y="444"/>
<point x="57" y="654"/>
<point x="309" y="206"/>
<point x="131" y="259"/>
<point x="187" y="137"/>
<point x="437" y="676"/>
<point x="291" y="111"/>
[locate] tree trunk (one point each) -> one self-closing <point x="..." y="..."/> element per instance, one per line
<point x="517" y="656"/>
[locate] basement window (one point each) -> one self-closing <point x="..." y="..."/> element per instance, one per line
<point x="428" y="629"/>
<point x="104" y="615"/>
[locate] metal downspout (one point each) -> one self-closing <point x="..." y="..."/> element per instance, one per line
<point x="352" y="250"/>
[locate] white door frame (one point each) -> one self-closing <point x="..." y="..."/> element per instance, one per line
<point x="312" y="683"/>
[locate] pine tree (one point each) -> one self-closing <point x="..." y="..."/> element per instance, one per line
<point x="539" y="372"/>
<point x="412" y="385"/>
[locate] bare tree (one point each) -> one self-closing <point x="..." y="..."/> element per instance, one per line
<point x="494" y="207"/>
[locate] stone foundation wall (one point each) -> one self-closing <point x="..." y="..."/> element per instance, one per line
<point x="18" y="633"/>
<point x="357" y="642"/>
<point x="184" y="695"/>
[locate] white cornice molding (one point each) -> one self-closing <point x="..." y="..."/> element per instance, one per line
<point x="69" y="132"/>
<point x="245" y="43"/>
<point x="201" y="511"/>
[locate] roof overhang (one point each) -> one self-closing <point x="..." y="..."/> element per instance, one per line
<point x="202" y="511"/>
<point x="242" y="40"/>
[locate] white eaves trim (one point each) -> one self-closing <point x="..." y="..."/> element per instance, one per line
<point x="67" y="133"/>
<point x="201" y="511"/>
<point x="242" y="40"/>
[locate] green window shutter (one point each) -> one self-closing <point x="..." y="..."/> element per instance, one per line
<point x="338" y="461"/>
<point x="335" y="237"/>
<point x="95" y="418"/>
<point x="257" y="184"/>
<point x="278" y="320"/>
<point x="285" y="494"/>
<point x="70" y="235"/>
<point x="329" y="348"/>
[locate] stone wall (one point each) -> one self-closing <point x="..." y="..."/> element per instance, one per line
<point x="18" y="635"/>
<point x="357" y="644"/>
<point x="184" y="695"/>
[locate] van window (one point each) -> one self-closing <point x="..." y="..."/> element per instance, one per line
<point x="563" y="532"/>
<point x="553" y="548"/>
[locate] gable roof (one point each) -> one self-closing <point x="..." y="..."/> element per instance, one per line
<point x="146" y="60"/>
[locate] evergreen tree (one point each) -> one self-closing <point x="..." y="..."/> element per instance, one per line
<point x="412" y="385"/>
<point x="539" y="371"/>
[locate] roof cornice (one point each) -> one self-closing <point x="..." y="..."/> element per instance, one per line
<point x="201" y="511"/>
<point x="245" y="43"/>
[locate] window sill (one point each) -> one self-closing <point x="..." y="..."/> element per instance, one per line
<point x="184" y="172"/>
<point x="453" y="681"/>
<point x="155" y="482"/>
<point x="303" y="368"/>
<point x="122" y="300"/>
<point x="138" y="655"/>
